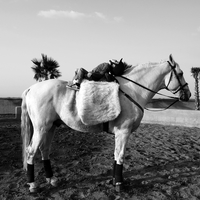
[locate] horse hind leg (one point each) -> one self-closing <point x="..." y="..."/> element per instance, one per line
<point x="121" y="139"/>
<point x="45" y="151"/>
<point x="40" y="133"/>
<point x="31" y="152"/>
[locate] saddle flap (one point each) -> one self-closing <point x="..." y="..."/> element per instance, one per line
<point x="98" y="102"/>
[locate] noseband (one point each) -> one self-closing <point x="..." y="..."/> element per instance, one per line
<point x="181" y="86"/>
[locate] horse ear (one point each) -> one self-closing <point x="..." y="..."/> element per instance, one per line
<point x="120" y="60"/>
<point x="111" y="62"/>
<point x="171" y="60"/>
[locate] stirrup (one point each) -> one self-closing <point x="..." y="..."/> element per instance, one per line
<point x="73" y="86"/>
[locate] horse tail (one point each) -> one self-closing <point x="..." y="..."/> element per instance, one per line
<point x="26" y="129"/>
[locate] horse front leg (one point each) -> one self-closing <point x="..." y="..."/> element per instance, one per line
<point x="121" y="139"/>
<point x="45" y="151"/>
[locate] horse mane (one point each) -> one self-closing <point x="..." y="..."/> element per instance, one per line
<point x="127" y="66"/>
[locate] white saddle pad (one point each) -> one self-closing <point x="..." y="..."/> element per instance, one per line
<point x="98" y="102"/>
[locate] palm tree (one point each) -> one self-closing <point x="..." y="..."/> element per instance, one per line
<point x="45" y="69"/>
<point x="38" y="70"/>
<point x="195" y="73"/>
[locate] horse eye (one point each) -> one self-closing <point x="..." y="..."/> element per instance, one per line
<point x="180" y="74"/>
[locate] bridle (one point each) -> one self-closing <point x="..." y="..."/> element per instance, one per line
<point x="181" y="86"/>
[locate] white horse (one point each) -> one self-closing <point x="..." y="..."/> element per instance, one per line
<point x="47" y="102"/>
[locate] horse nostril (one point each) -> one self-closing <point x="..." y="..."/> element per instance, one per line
<point x="184" y="97"/>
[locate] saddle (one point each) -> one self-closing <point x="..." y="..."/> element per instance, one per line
<point x="98" y="102"/>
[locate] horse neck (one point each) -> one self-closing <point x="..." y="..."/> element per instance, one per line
<point x="150" y="76"/>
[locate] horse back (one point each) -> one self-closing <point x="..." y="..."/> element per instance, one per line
<point x="51" y="100"/>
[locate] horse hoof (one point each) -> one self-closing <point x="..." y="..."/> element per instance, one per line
<point x="52" y="181"/>
<point x="113" y="181"/>
<point x="33" y="187"/>
<point x="119" y="186"/>
<point x="33" y="190"/>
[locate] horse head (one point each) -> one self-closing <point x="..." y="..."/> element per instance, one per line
<point x="175" y="81"/>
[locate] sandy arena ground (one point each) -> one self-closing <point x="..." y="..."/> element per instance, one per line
<point x="162" y="163"/>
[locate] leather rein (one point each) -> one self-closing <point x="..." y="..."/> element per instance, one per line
<point x="176" y="98"/>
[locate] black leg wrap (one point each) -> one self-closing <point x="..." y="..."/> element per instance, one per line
<point x="118" y="173"/>
<point x="47" y="168"/>
<point x="113" y="174"/>
<point x="114" y="167"/>
<point x="30" y="173"/>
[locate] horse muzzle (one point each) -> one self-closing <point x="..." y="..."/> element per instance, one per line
<point x="184" y="95"/>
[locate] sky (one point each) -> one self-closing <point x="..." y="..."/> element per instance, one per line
<point x="85" y="33"/>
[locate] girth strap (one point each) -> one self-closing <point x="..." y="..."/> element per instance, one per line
<point x="127" y="96"/>
<point x="132" y="100"/>
<point x="106" y="126"/>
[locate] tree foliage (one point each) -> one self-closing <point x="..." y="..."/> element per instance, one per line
<point x="45" y="68"/>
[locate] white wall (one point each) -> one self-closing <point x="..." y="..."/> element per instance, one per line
<point x="188" y="118"/>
